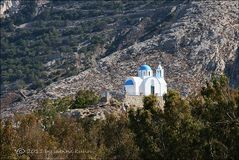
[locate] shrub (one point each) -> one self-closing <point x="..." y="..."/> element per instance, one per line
<point x="85" y="98"/>
<point x="150" y="101"/>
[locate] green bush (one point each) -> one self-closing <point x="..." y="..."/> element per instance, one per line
<point x="85" y="98"/>
<point x="150" y="101"/>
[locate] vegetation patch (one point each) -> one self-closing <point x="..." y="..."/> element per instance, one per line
<point x="205" y="126"/>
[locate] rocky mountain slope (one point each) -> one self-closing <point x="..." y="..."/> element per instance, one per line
<point x="191" y="39"/>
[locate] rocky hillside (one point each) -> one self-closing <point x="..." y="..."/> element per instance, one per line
<point x="97" y="44"/>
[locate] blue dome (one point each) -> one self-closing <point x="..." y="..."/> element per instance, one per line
<point x="129" y="82"/>
<point x="145" y="67"/>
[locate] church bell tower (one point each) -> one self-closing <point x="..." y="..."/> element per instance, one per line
<point x="160" y="71"/>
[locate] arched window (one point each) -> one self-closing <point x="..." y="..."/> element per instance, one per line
<point x="159" y="73"/>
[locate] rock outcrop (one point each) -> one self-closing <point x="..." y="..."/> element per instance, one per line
<point x="9" y="6"/>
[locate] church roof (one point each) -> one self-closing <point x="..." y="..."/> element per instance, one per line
<point x="129" y="82"/>
<point x="145" y="67"/>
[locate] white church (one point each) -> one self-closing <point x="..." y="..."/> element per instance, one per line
<point x="146" y="83"/>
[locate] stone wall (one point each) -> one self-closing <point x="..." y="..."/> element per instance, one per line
<point x="137" y="101"/>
